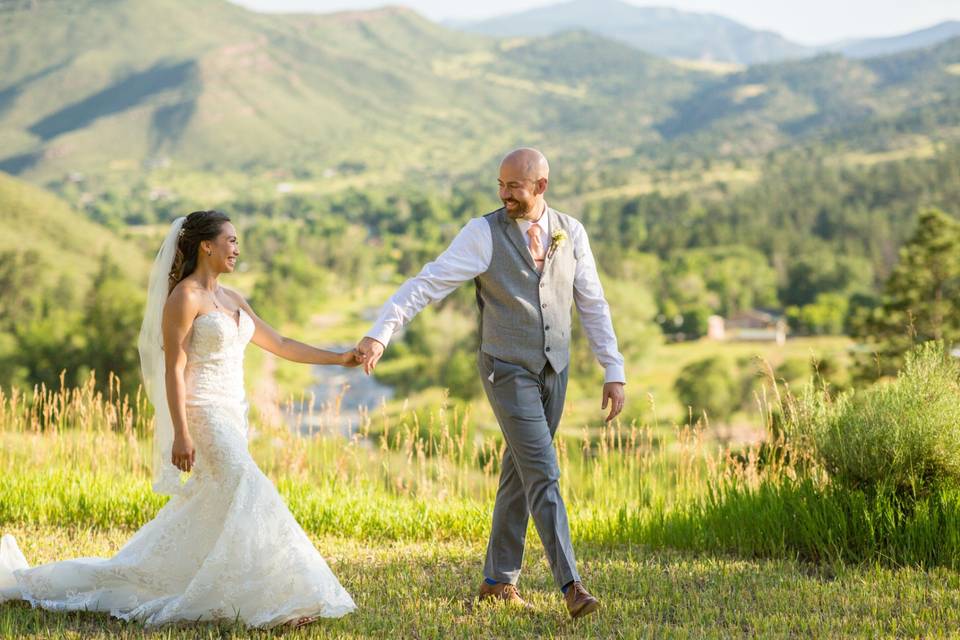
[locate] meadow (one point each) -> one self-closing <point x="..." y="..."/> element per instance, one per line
<point x="680" y="536"/>
<point x="411" y="590"/>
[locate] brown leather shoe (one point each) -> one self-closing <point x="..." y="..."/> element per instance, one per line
<point x="579" y="602"/>
<point x="503" y="592"/>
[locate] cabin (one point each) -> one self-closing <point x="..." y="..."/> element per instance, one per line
<point x="754" y="325"/>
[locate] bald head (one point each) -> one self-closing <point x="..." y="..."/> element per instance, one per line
<point x="524" y="174"/>
<point x="529" y="162"/>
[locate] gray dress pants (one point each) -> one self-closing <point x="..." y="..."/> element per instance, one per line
<point x="528" y="407"/>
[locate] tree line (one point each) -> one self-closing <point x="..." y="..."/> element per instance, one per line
<point x="812" y="238"/>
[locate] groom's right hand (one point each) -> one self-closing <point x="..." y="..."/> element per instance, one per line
<point x="370" y="350"/>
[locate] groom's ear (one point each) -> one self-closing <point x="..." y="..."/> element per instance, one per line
<point x="542" y="186"/>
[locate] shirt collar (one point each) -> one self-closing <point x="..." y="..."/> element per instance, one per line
<point x="544" y="222"/>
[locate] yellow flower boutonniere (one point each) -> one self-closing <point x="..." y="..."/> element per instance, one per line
<point x="556" y="241"/>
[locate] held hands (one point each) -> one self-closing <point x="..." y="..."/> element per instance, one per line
<point x="370" y="351"/>
<point x="350" y="359"/>
<point x="183" y="453"/>
<point x="613" y="394"/>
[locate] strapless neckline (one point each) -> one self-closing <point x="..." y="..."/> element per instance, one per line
<point x="234" y="319"/>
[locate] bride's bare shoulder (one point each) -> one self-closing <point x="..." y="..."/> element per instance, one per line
<point x="184" y="298"/>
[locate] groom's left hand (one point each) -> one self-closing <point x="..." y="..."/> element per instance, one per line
<point x="614" y="396"/>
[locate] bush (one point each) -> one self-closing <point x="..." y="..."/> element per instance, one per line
<point x="711" y="386"/>
<point x="793" y="371"/>
<point x="902" y="435"/>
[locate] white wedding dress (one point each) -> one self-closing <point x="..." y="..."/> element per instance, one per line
<point x="225" y="548"/>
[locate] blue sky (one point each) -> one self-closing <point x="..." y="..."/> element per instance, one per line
<point x="804" y="21"/>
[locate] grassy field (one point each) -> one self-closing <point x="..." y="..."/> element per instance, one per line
<point x="655" y="377"/>
<point x="415" y="590"/>
<point x="677" y="535"/>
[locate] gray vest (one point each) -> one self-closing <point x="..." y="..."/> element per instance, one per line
<point x="525" y="315"/>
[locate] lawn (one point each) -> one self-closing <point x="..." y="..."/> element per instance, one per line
<point x="679" y="538"/>
<point x="424" y="590"/>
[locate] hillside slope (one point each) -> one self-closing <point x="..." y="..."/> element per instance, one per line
<point x="67" y="243"/>
<point x="123" y="86"/>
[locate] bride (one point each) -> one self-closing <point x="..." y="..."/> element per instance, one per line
<point x="225" y="547"/>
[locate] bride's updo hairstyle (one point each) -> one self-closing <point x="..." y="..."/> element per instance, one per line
<point x="199" y="226"/>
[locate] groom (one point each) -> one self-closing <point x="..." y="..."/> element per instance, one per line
<point x="530" y="264"/>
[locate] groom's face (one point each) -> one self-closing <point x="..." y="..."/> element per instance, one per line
<point x="519" y="191"/>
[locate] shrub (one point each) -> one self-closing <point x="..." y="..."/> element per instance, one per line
<point x="712" y="386"/>
<point x="902" y="435"/>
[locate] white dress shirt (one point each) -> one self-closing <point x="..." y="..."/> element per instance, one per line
<point x="469" y="255"/>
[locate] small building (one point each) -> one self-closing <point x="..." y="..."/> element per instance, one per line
<point x="754" y="325"/>
<point x="716" y="328"/>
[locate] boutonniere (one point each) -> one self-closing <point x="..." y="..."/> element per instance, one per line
<point x="556" y="241"/>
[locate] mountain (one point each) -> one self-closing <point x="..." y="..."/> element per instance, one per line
<point x="134" y="83"/>
<point x="664" y="32"/>
<point x="695" y="36"/>
<point x="122" y="85"/>
<point x="872" y="47"/>
<point x="861" y="102"/>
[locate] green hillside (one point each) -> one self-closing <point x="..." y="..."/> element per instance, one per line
<point x="126" y="85"/>
<point x="828" y="97"/>
<point x="121" y="87"/>
<point x="65" y="242"/>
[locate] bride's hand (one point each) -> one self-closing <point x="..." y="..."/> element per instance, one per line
<point x="351" y="358"/>
<point x="183" y="453"/>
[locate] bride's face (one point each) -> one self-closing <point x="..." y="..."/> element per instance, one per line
<point x="224" y="250"/>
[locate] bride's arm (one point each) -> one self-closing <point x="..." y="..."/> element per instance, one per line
<point x="268" y="338"/>
<point x="178" y="315"/>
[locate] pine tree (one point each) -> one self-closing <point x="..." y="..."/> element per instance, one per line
<point x="921" y="299"/>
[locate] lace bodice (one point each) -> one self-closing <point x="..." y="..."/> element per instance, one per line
<point x="214" y="371"/>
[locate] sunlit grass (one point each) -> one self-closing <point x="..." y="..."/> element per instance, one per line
<point x="415" y="590"/>
<point x="402" y="507"/>
<point x="656" y="376"/>
<point x="81" y="457"/>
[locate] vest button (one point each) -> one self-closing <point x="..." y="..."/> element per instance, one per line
<point x="547" y="349"/>
<point x="546" y="328"/>
<point x="543" y="285"/>
<point x="544" y="305"/>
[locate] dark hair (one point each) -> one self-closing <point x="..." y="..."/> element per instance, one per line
<point x="199" y="226"/>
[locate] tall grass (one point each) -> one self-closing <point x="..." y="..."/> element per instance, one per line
<point x="78" y="457"/>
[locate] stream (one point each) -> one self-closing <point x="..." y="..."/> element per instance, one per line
<point x="356" y="392"/>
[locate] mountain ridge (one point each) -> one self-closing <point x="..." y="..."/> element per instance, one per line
<point x="691" y="35"/>
<point x="125" y="87"/>
<point x="886" y="45"/>
<point x="662" y="31"/>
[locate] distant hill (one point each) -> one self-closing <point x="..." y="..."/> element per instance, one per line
<point x="860" y="101"/>
<point x="693" y="36"/>
<point x="872" y="47"/>
<point x="122" y="85"/>
<point x="67" y="243"/>
<point x="662" y="31"/>
<point x="125" y="84"/>
<point x="117" y="87"/>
